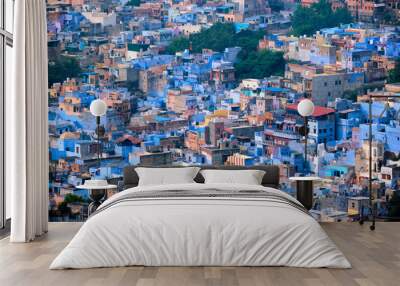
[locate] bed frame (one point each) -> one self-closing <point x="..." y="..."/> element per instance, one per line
<point x="270" y="179"/>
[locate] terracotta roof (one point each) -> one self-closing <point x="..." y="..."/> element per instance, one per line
<point x="70" y="135"/>
<point x="318" y="110"/>
<point x="130" y="138"/>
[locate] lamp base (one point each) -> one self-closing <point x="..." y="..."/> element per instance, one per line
<point x="305" y="193"/>
<point x="96" y="196"/>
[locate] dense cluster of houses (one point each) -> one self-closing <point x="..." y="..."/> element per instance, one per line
<point x="188" y="108"/>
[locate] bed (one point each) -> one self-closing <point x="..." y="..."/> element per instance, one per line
<point x="197" y="224"/>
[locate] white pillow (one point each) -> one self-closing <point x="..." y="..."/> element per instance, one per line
<point x="166" y="176"/>
<point x="248" y="177"/>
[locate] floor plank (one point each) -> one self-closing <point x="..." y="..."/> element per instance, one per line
<point x="375" y="257"/>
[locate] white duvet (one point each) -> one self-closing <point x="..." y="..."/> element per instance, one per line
<point x="200" y="231"/>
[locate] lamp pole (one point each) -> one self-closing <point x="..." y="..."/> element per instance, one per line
<point x="305" y="144"/>
<point x="370" y="163"/>
<point x="305" y="108"/>
<point x="372" y="205"/>
<point x="98" y="108"/>
<point x="98" y="141"/>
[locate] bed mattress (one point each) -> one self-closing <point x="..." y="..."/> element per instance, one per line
<point x="201" y="225"/>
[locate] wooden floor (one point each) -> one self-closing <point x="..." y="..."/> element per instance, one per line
<point x="375" y="257"/>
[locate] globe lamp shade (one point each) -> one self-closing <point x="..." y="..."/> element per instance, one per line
<point x="305" y="107"/>
<point x="98" y="107"/>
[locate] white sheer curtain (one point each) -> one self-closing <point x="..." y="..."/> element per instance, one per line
<point x="26" y="120"/>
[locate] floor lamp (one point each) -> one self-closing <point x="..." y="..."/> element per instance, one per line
<point x="372" y="206"/>
<point x="98" y="108"/>
<point x="97" y="188"/>
<point x="305" y="108"/>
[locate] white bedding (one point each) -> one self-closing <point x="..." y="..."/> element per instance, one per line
<point x="200" y="231"/>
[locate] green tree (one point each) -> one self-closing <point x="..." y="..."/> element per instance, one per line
<point x="394" y="208"/>
<point x="63" y="67"/>
<point x="342" y="16"/>
<point x="72" y="198"/>
<point x="394" y="74"/>
<point x="276" y="5"/>
<point x="251" y="62"/>
<point x="390" y="18"/>
<point x="248" y="41"/>
<point x="260" y="64"/>
<point x="216" y="38"/>
<point x="178" y="44"/>
<point x="63" y="208"/>
<point x="69" y="198"/>
<point x="133" y="3"/>
<point x="351" y="95"/>
<point x="308" y="20"/>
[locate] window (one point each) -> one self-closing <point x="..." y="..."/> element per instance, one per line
<point x="6" y="43"/>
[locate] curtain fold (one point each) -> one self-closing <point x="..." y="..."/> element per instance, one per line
<point x="26" y="120"/>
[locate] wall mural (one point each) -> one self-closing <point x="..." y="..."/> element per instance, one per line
<point x="183" y="88"/>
